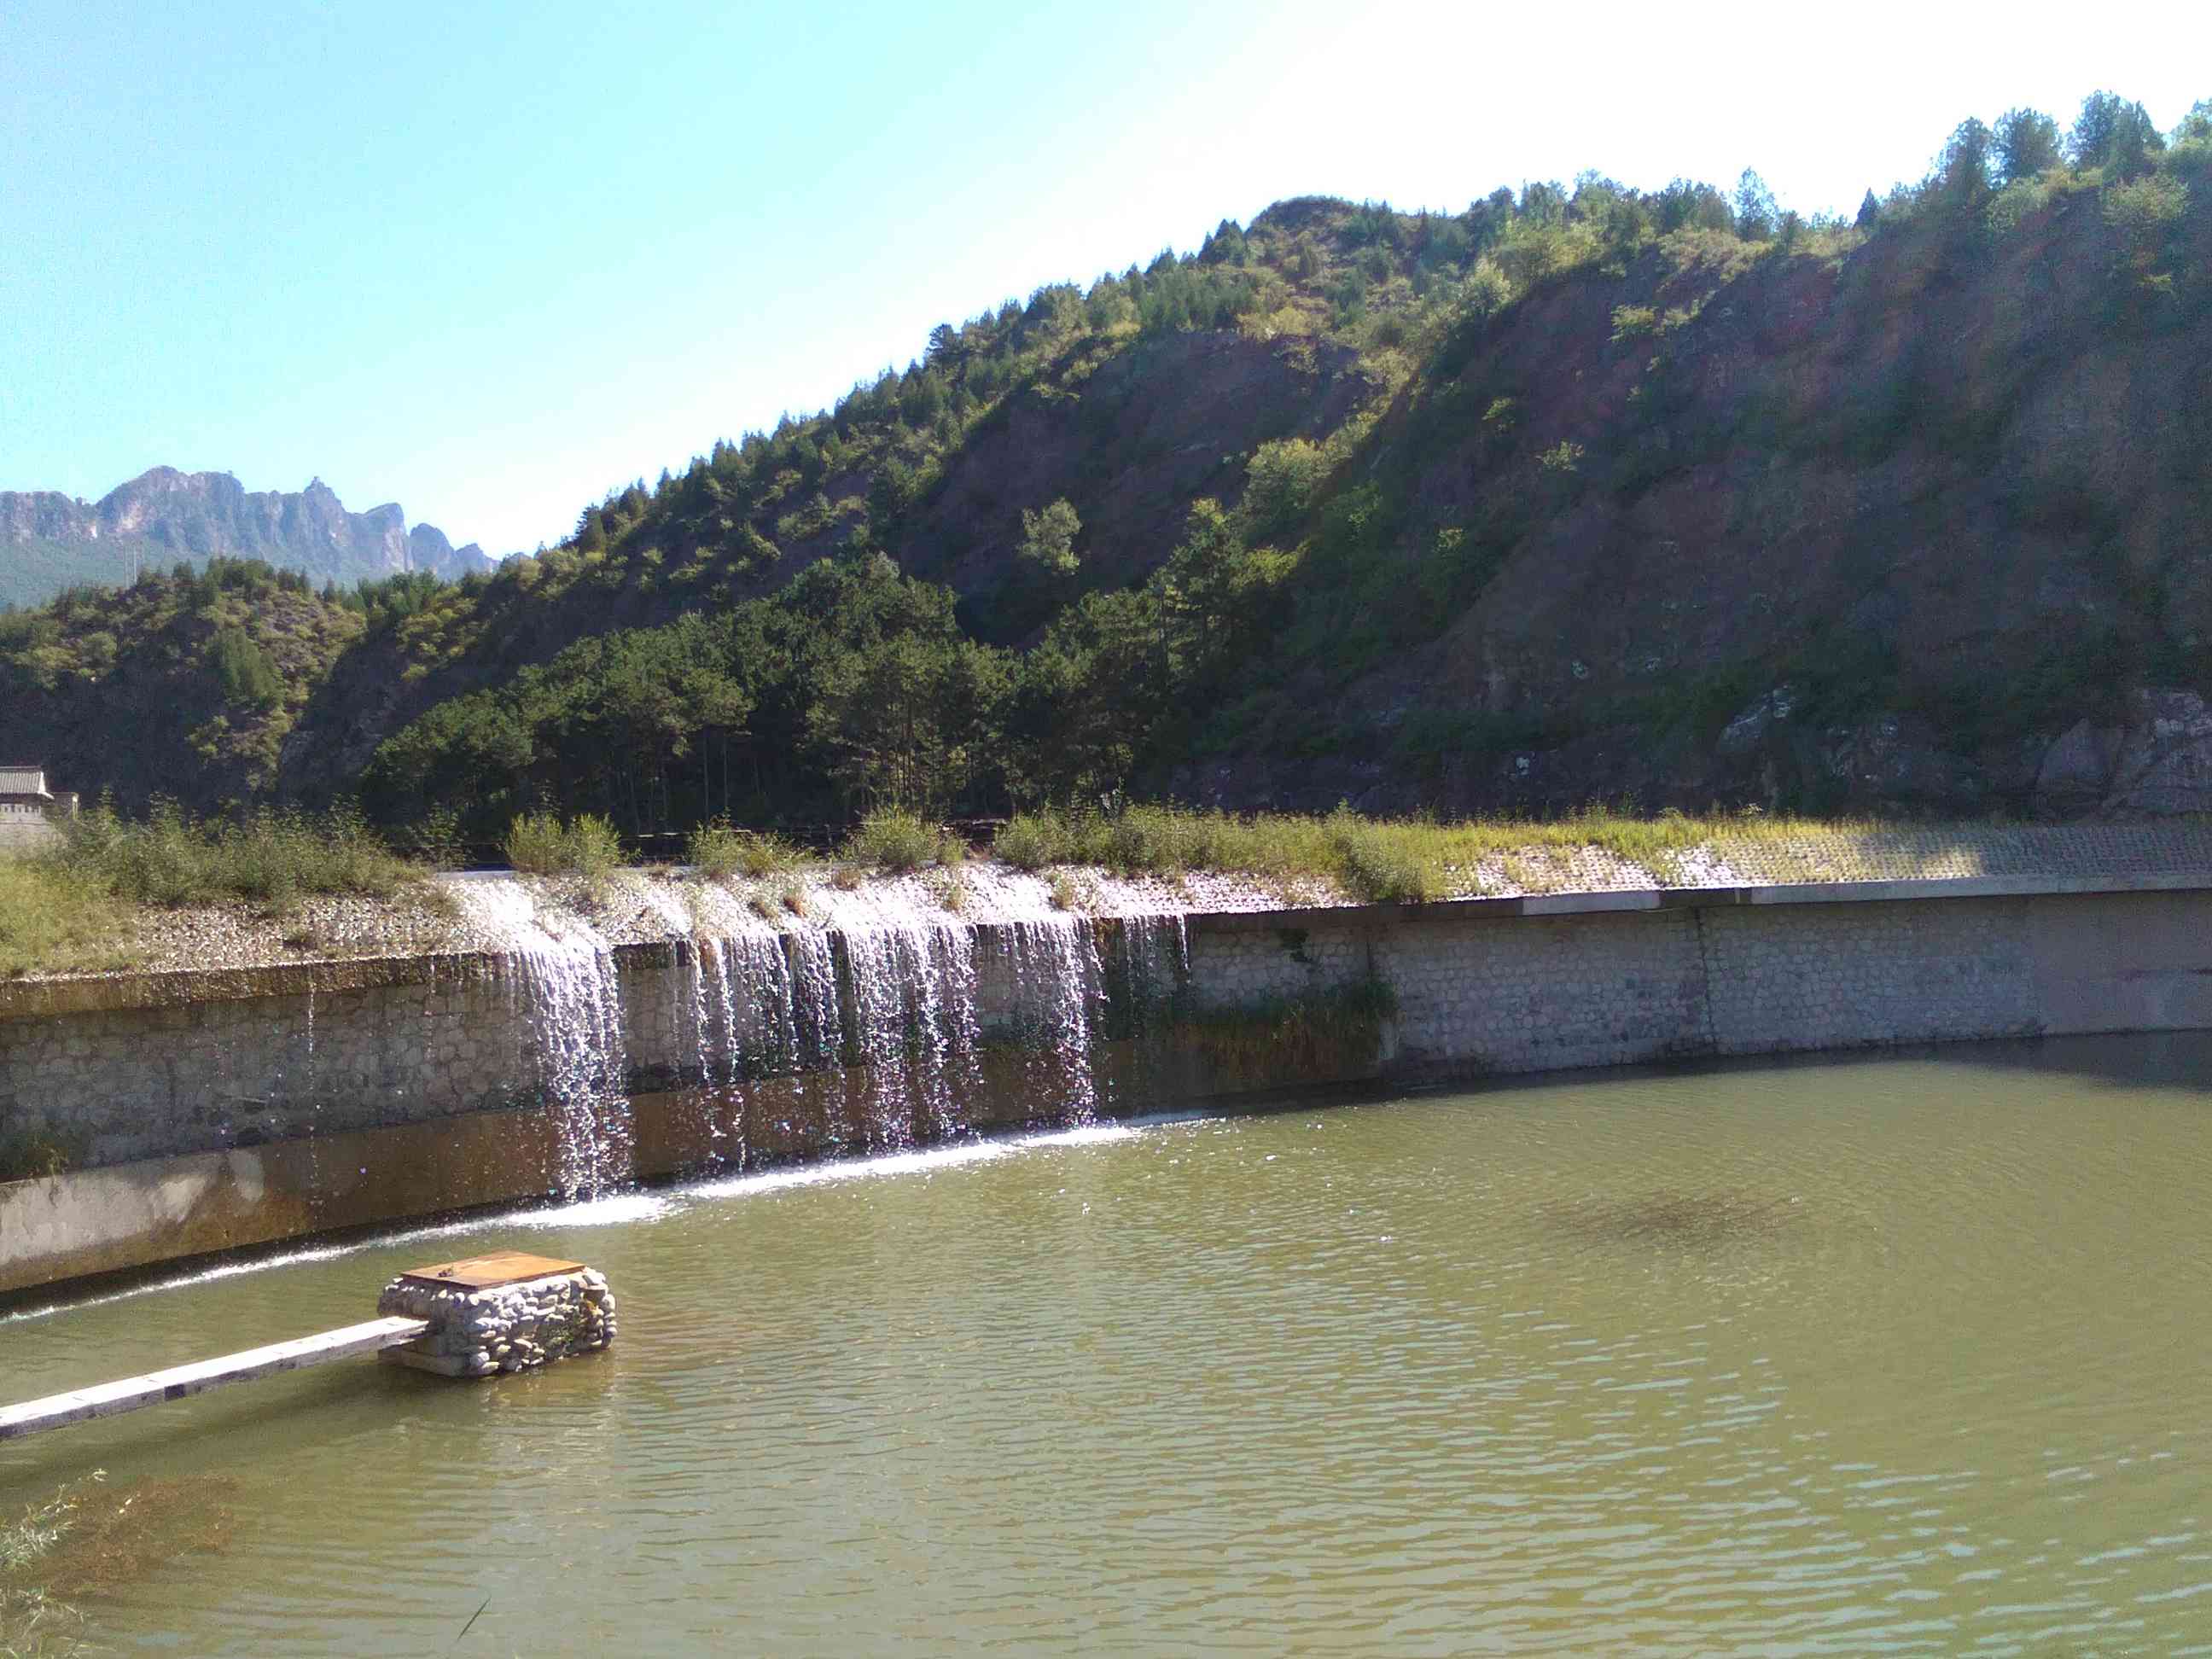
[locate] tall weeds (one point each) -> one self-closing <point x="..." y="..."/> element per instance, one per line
<point x="1376" y="860"/>
<point x="271" y="858"/>
<point x="720" y="849"/>
<point x="69" y="906"/>
<point x="88" y="1539"/>
<point x="893" y="840"/>
<point x="544" y="844"/>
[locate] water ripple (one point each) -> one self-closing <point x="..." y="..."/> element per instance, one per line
<point x="1889" y="1355"/>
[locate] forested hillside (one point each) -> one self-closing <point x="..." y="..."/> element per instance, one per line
<point x="1581" y="493"/>
<point x="184" y="684"/>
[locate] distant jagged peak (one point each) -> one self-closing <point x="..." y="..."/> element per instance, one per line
<point x="167" y="513"/>
<point x="169" y="480"/>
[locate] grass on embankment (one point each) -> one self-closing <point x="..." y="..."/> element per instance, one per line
<point x="72" y="909"/>
<point x="542" y="844"/>
<point x="1376" y="860"/>
<point x="69" y="908"/>
<point x="51" y="917"/>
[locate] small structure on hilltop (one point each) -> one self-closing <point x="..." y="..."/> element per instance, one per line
<point x="30" y="812"/>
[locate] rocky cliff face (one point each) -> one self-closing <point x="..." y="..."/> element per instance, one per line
<point x="49" y="540"/>
<point x="1918" y="529"/>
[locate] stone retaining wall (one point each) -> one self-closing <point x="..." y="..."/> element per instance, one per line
<point x="1482" y="987"/>
<point x="136" y="1067"/>
<point x="1483" y="990"/>
<point x="289" y="1099"/>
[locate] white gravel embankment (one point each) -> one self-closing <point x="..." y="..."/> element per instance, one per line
<point x="490" y="910"/>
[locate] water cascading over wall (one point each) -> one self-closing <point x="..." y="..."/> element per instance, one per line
<point x="875" y="1032"/>
<point x="218" y="1108"/>
<point x="566" y="991"/>
<point x="899" y="1022"/>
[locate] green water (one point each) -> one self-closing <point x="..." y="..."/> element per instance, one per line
<point x="1897" y="1354"/>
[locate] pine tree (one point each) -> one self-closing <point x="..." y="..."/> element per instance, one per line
<point x="2026" y="145"/>
<point x="1755" y="210"/>
<point x="1048" y="538"/>
<point x="1963" y="172"/>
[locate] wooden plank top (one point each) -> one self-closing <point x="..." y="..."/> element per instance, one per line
<point x="178" y="1381"/>
<point x="484" y="1273"/>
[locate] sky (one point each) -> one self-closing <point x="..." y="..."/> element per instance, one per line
<point x="491" y="260"/>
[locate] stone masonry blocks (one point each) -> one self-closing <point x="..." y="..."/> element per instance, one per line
<point x="509" y="1327"/>
<point x="1479" y="991"/>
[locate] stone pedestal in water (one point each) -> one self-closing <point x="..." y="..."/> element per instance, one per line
<point x="509" y="1312"/>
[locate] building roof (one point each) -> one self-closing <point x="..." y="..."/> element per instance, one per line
<point x="24" y="780"/>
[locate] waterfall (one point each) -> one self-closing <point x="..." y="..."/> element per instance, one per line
<point x="711" y="1010"/>
<point x="1056" y="968"/>
<point x="915" y="1027"/>
<point x="575" y="1011"/>
<point x="820" y="1028"/>
<point x="877" y="1039"/>
<point x="759" y="959"/>
<point x="579" y="1012"/>
<point x="913" y="1001"/>
<point x="949" y="1012"/>
<point x="714" y="1033"/>
<point x="1158" y="952"/>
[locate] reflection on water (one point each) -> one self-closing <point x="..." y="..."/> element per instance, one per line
<point x="1897" y="1354"/>
<point x="1689" y="1219"/>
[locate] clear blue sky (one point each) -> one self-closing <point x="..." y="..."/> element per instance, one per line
<point x="488" y="259"/>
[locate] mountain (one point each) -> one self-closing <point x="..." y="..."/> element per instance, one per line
<point x="50" y="541"/>
<point x="1587" y="494"/>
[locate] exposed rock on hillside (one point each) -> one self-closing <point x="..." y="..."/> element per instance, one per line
<point x="1575" y="497"/>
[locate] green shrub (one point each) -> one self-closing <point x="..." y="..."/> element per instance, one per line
<point x="1376" y="859"/>
<point x="541" y="844"/>
<point x="535" y="844"/>
<point x="1030" y="841"/>
<point x="1632" y="322"/>
<point x="2142" y="212"/>
<point x="67" y="909"/>
<point x="594" y="846"/>
<point x="719" y="850"/>
<point x="244" y="669"/>
<point x="951" y="889"/>
<point x="1281" y="483"/>
<point x="1154" y="840"/>
<point x="892" y="839"/>
<point x="438" y="839"/>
